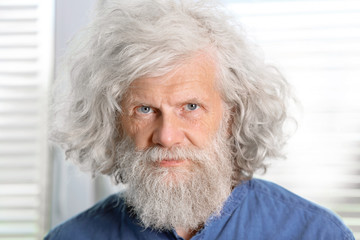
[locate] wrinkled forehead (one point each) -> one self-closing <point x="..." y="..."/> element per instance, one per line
<point x="200" y="69"/>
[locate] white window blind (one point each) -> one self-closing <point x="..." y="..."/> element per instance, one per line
<point x="316" y="45"/>
<point x="25" y="71"/>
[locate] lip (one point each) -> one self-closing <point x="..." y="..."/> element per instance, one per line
<point x="171" y="163"/>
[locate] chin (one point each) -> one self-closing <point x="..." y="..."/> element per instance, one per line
<point x="175" y="175"/>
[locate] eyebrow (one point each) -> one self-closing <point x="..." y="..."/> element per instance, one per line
<point x="134" y="101"/>
<point x="192" y="100"/>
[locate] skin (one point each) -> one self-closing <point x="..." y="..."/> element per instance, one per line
<point x="181" y="108"/>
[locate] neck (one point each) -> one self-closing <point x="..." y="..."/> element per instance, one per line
<point x="185" y="234"/>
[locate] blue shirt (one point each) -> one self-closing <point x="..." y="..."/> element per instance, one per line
<point x="255" y="210"/>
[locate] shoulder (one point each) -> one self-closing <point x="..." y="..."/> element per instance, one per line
<point x="292" y="213"/>
<point x="271" y="193"/>
<point x="91" y="223"/>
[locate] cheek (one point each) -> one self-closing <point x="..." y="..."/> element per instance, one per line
<point x="139" y="132"/>
<point x="204" y="130"/>
<point x="201" y="132"/>
<point x="130" y="127"/>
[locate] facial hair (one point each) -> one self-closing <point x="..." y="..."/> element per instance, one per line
<point x="164" y="198"/>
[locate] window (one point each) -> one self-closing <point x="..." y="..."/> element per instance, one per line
<point x="25" y="71"/>
<point x="316" y="45"/>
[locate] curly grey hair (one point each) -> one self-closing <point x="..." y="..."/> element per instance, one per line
<point x="131" y="39"/>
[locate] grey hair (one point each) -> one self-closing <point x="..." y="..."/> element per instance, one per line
<point x="130" y="39"/>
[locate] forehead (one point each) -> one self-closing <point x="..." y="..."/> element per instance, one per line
<point x="195" y="74"/>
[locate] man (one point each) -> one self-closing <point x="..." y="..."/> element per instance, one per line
<point x="169" y="98"/>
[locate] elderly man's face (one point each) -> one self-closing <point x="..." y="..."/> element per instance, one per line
<point x="179" y="171"/>
<point x="181" y="108"/>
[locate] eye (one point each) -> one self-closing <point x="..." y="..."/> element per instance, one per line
<point x="145" y="109"/>
<point x="191" y="106"/>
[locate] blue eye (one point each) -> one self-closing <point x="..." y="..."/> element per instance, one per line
<point x="144" y="109"/>
<point x="191" y="107"/>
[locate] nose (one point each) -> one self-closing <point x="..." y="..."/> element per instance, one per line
<point x="168" y="132"/>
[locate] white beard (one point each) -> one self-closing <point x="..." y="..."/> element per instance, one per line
<point x="167" y="197"/>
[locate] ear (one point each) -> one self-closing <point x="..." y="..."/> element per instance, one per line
<point x="228" y="118"/>
<point x="119" y="125"/>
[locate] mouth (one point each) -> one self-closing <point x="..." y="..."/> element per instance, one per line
<point x="172" y="163"/>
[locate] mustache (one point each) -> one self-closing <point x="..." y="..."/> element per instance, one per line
<point x="157" y="154"/>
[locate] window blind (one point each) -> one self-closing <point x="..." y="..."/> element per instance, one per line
<point x="25" y="71"/>
<point x="316" y="45"/>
